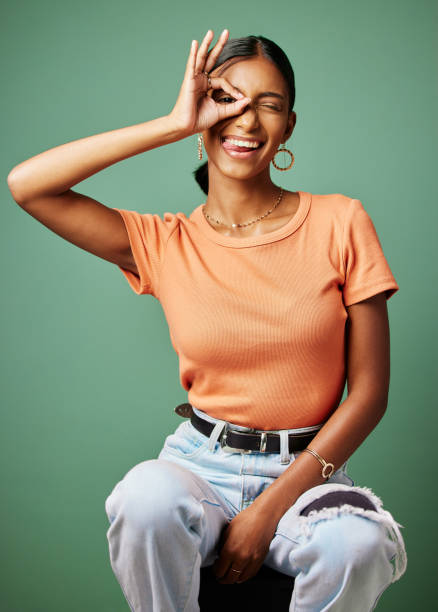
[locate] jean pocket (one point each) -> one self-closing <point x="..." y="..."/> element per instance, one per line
<point x="186" y="441"/>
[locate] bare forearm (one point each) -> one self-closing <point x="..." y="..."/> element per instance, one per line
<point x="56" y="170"/>
<point x="336" y="441"/>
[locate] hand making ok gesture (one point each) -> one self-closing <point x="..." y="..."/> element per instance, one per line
<point x="194" y="110"/>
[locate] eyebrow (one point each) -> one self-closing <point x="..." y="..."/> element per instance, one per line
<point x="270" y="94"/>
<point x="265" y="94"/>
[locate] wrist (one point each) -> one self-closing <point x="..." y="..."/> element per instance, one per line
<point x="272" y="503"/>
<point x="176" y="128"/>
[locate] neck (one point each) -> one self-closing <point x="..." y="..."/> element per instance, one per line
<point x="240" y="200"/>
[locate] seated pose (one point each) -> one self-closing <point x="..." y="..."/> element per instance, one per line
<point x="274" y="299"/>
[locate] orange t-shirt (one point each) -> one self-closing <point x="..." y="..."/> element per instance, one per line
<point x="258" y="323"/>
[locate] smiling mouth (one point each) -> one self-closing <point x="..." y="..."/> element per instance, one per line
<point x="240" y="145"/>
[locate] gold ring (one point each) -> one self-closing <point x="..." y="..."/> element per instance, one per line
<point x="208" y="79"/>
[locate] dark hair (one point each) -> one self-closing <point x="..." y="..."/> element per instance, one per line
<point x="249" y="46"/>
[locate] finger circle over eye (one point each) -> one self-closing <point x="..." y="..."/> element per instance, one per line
<point x="226" y="86"/>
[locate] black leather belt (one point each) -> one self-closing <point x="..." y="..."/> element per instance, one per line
<point x="234" y="438"/>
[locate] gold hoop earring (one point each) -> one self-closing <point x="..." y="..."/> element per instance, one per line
<point x="284" y="150"/>
<point x="199" y="146"/>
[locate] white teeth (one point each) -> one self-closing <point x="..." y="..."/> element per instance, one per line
<point x="243" y="143"/>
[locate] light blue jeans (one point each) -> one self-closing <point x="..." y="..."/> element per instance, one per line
<point x="167" y="514"/>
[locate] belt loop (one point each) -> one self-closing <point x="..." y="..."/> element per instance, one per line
<point x="284" y="446"/>
<point x="215" y="433"/>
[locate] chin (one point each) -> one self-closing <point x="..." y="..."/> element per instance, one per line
<point x="238" y="170"/>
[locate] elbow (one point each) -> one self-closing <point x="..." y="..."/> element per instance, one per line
<point x="15" y="187"/>
<point x="371" y="398"/>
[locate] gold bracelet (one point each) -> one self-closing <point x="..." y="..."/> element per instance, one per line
<point x="323" y="463"/>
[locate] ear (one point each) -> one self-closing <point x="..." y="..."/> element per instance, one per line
<point x="291" y="121"/>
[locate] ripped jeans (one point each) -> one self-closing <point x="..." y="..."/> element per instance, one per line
<point x="166" y="517"/>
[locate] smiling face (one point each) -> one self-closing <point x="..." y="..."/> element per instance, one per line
<point x="265" y="122"/>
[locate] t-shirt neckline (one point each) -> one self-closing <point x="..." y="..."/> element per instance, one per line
<point x="233" y="241"/>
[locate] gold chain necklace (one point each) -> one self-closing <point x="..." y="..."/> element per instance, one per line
<point x="251" y="222"/>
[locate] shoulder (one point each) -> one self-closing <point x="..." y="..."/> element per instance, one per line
<point x="172" y="223"/>
<point x="332" y="208"/>
<point x="332" y="203"/>
<point x="153" y="229"/>
<point x="163" y="221"/>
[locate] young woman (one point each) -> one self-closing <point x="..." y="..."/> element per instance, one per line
<point x="274" y="299"/>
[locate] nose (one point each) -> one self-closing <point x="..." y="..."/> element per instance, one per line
<point x="248" y="119"/>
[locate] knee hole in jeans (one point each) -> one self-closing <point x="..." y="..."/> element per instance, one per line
<point x="338" y="498"/>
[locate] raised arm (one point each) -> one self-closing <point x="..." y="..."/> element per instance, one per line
<point x="42" y="184"/>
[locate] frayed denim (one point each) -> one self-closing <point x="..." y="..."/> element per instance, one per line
<point x="167" y="514"/>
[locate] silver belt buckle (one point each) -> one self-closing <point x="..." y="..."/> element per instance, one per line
<point x="230" y="449"/>
<point x="263" y="437"/>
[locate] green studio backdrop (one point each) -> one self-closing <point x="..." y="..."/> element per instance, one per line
<point x="89" y="376"/>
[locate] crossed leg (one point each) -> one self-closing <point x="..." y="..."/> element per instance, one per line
<point x="341" y="546"/>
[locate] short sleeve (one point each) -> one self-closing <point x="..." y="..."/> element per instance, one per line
<point x="148" y="235"/>
<point x="367" y="271"/>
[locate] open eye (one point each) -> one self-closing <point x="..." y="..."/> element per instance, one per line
<point x="223" y="98"/>
<point x="229" y="99"/>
